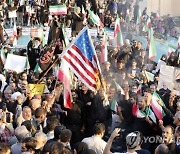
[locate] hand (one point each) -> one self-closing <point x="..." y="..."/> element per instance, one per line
<point x="89" y="103"/>
<point x="115" y="133"/>
<point x="160" y="103"/>
<point x="160" y="123"/>
<point x="147" y="119"/>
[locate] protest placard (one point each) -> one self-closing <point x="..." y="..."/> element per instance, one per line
<point x="37" y="88"/>
<point x="12" y="14"/>
<point x="15" y="63"/>
<point x="171" y="76"/>
<point x="36" y="32"/>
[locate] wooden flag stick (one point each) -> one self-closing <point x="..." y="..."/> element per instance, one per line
<point x="48" y="70"/>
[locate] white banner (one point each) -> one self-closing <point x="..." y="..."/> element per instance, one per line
<point x="15" y="63"/>
<point x="171" y="76"/>
<point x="12" y="14"/>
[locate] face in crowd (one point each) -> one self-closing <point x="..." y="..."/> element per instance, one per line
<point x="168" y="134"/>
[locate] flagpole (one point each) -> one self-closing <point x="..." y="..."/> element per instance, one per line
<point x="48" y="70"/>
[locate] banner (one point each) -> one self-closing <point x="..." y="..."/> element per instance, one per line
<point x="58" y="9"/>
<point x="171" y="77"/>
<point x="36" y="32"/>
<point x="15" y="63"/>
<point x="37" y="88"/>
<point x="12" y="14"/>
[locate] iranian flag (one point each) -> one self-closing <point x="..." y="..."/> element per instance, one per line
<point x="37" y="69"/>
<point x="66" y="40"/>
<point x="127" y="15"/>
<point x="118" y="34"/>
<point x="84" y="15"/>
<point x="139" y="89"/>
<point x="27" y="65"/>
<point x="95" y="19"/>
<point x="114" y="105"/>
<point x="3" y="56"/>
<point x="150" y="76"/>
<point x="104" y="51"/>
<point x="136" y="112"/>
<point x="58" y="9"/>
<point x="152" y="48"/>
<point x="118" y="87"/>
<point x="65" y="77"/>
<point x="178" y="42"/>
<point x="171" y="49"/>
<point x="14" y="35"/>
<point x="147" y="25"/>
<point x="142" y="114"/>
<point x="149" y="22"/>
<point x="157" y="109"/>
<point x="139" y="17"/>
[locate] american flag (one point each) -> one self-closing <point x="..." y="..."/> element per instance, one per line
<point x="82" y="60"/>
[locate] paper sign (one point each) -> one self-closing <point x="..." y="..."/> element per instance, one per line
<point x="15" y="63"/>
<point x="35" y="32"/>
<point x="12" y="14"/>
<point x="171" y="77"/>
<point x="37" y="88"/>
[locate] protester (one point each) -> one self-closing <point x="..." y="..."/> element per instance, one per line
<point x="87" y="91"/>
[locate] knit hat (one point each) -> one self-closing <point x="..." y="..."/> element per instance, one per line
<point x="133" y="140"/>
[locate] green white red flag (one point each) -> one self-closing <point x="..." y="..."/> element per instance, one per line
<point x="114" y="105"/>
<point x="58" y="9"/>
<point x="14" y="35"/>
<point x="118" y="87"/>
<point x="37" y="69"/>
<point x="3" y="56"/>
<point x="84" y="15"/>
<point x="65" y="77"/>
<point x="118" y="34"/>
<point x="139" y="17"/>
<point x="127" y="15"/>
<point x="179" y="42"/>
<point x="95" y="19"/>
<point x="157" y="109"/>
<point x="136" y="112"/>
<point x="147" y="25"/>
<point x="171" y="49"/>
<point x="66" y="40"/>
<point x="152" y="48"/>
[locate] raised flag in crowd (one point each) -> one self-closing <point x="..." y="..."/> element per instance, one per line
<point x="82" y="60"/>
<point x="14" y="35"/>
<point x="3" y="56"/>
<point x="157" y="108"/>
<point x="152" y="48"/>
<point x="65" y="77"/>
<point x="171" y="48"/>
<point x="118" y="33"/>
<point x="95" y="19"/>
<point x="139" y="16"/>
<point x="178" y="42"/>
<point x="57" y="9"/>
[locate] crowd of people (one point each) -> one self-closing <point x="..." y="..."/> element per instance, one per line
<point x="99" y="122"/>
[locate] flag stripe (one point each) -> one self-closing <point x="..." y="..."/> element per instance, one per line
<point x="83" y="57"/>
<point x="79" y="73"/>
<point x="58" y="9"/>
<point x="156" y="107"/>
<point x="64" y="76"/>
<point x="72" y="60"/>
<point x="81" y="64"/>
